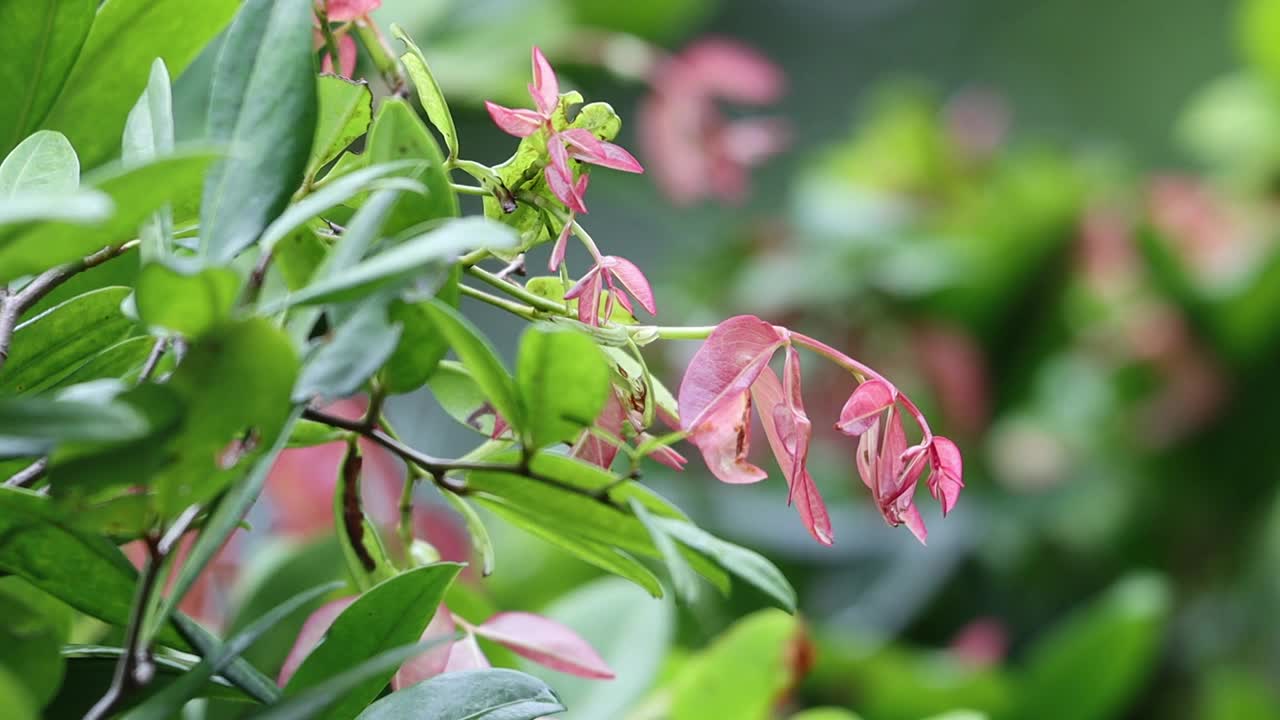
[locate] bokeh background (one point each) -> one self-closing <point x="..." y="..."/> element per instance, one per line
<point x="1052" y="222"/>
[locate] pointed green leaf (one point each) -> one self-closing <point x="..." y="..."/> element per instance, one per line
<point x="367" y="560"/>
<point x="52" y="345"/>
<point x="429" y="93"/>
<point x="43" y="163"/>
<point x="475" y="528"/>
<point x="563" y="379"/>
<point x="353" y="352"/>
<point x="345" y="112"/>
<point x="398" y="134"/>
<point x="495" y="694"/>
<point x="42" y="41"/>
<point x="148" y="134"/>
<point x="421" y="348"/>
<point x="683" y="578"/>
<point x="39" y="417"/>
<point x="480" y="359"/>
<point x="188" y="301"/>
<point x="746" y="564"/>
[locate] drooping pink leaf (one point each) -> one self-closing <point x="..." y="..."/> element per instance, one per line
<point x="724" y="438"/>
<point x="348" y="10"/>
<point x="560" y="179"/>
<point x="597" y="450"/>
<point x="633" y="280"/>
<point x="546" y="642"/>
<point x="546" y="87"/>
<point x="867" y="402"/>
<point x="432" y="662"/>
<point x="514" y="121"/>
<point x="788" y="430"/>
<point x="587" y="292"/>
<point x="724" y="367"/>
<point x="316" y="625"/>
<point x="946" y="475"/>
<point x="911" y="518"/>
<point x="666" y="454"/>
<point x="585" y="146"/>
<point x="561" y="246"/>
<point x="466" y="655"/>
<point x="891" y="472"/>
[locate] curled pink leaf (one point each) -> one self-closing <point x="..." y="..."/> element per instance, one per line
<point x="597" y="450"/>
<point x="724" y="367"/>
<point x="313" y="629"/>
<point x="891" y="472"/>
<point x="585" y="146"/>
<point x="545" y="642"/>
<point x="432" y="662"/>
<point x="946" y="473"/>
<point x="633" y="281"/>
<point x="724" y="438"/>
<point x="546" y="87"/>
<point x="560" y="179"/>
<point x="788" y="430"/>
<point x="514" y="121"/>
<point x="587" y="292"/>
<point x="868" y="401"/>
<point x="561" y="246"/>
<point x="666" y="454"/>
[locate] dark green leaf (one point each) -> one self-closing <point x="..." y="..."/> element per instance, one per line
<point x="683" y="578"/>
<point x="51" y="345"/>
<point x="148" y="134"/>
<point x="354" y="351"/>
<point x="345" y="112"/>
<point x="112" y="69"/>
<point x="38" y="417"/>
<point x="188" y="301"/>
<point x="43" y="163"/>
<point x="495" y="694"/>
<point x="89" y="672"/>
<point x="429" y="93"/>
<point x="746" y="564"/>
<point x="137" y="193"/>
<point x="391" y="614"/>
<point x="367" y="560"/>
<point x="122" y="361"/>
<point x="42" y="40"/>
<point x="34" y="628"/>
<point x="480" y="359"/>
<point x="398" y="134"/>
<point x="421" y="347"/>
<point x="563" y="379"/>
<point x="264" y="107"/>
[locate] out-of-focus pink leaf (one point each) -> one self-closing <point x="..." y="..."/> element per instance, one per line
<point x="348" y="10"/>
<point x="633" y="280"/>
<point x="724" y="368"/>
<point x="546" y="87"/>
<point x="545" y="642"/>
<point x="867" y="402"/>
<point x="346" y="57"/>
<point x="316" y="625"/>
<point x="432" y="662"/>
<point x="733" y="71"/>
<point x="946" y="475"/>
<point x="597" y="450"/>
<point x="466" y="655"/>
<point x="514" y="121"/>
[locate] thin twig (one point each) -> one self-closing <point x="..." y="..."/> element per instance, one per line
<point x="135" y="669"/>
<point x="515" y="308"/>
<point x="28" y="475"/>
<point x="516" y="291"/>
<point x="153" y="360"/>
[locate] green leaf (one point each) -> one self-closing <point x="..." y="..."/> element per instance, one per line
<point x="136" y="192"/>
<point x="563" y="380"/>
<point x="398" y="134"/>
<point x="55" y="343"/>
<point x="480" y="359"/>
<point x="352" y="354"/>
<point x="631" y="631"/>
<point x="367" y="560"/>
<point x="683" y="578"/>
<point x="746" y="564"/>
<point x="91" y="667"/>
<point x="475" y="529"/>
<point x="429" y="93"/>
<point x="309" y="433"/>
<point x="457" y="392"/>
<point x="421" y="347"/>
<point x="495" y="694"/>
<point x="148" y="134"/>
<point x="345" y="112"/>
<point x="404" y="261"/>
<point x="168" y="702"/>
<point x="35" y="626"/>
<point x="742" y="674"/>
<point x="43" y="163"/>
<point x="121" y="361"/>
<point x="391" y="614"/>
<point x="112" y="68"/>
<point x="830" y="713"/>
<point x="17" y="701"/>
<point x="1108" y="647"/>
<point x="42" y="41"/>
<point x="38" y="417"/>
<point x="84" y="207"/>
<point x="264" y="107"/>
<point x="186" y="300"/>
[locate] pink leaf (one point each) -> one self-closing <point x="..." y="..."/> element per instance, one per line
<point x="666" y="454"/>
<point x="347" y="10"/>
<point x="724" y="438"/>
<point x="316" y="625"/>
<point x="911" y="518"/>
<point x="724" y="367"/>
<point x="562" y="245"/>
<point x="865" y="404"/>
<point x="581" y="141"/>
<point x="633" y="280"/>
<point x="466" y="655"/>
<point x="788" y="430"/>
<point x="432" y="662"/>
<point x="587" y="292"/>
<point x="518" y="121"/>
<point x="597" y="450"/>
<point x="560" y="179"/>
<point x="585" y="146"/>
<point x="546" y="87"/>
<point x="346" y="58"/>
<point x="733" y="71"/>
<point x="546" y="642"/>
<point x="945" y="478"/>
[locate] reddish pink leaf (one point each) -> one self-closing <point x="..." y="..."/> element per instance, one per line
<point x="788" y="430"/>
<point x="867" y="402"/>
<point x="546" y="87"/>
<point x="587" y="292"/>
<point x="733" y="71"/>
<point x="724" y="438"/>
<point x="466" y="655"/>
<point x="560" y="179"/>
<point x="546" y="642"/>
<point x="945" y="477"/>
<point x="665" y="454"/>
<point x="892" y="477"/>
<point x="585" y="146"/>
<point x="633" y="280"/>
<point x="517" y="121"/>
<point x="597" y="450"/>
<point x="911" y="518"/>
<point x="316" y="625"/>
<point x="346" y="57"/>
<point x="724" y="368"/>
<point x="432" y="662"/>
<point x="581" y="141"/>
<point x="348" y="10"/>
<point x="561" y="246"/>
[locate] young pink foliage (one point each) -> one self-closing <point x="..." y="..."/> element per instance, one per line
<point x="611" y="271"/>
<point x="545" y="89"/>
<point x="348" y="10"/>
<point x="945" y="479"/>
<point x="891" y="477"/>
<point x="585" y="146"/>
<point x="788" y="429"/>
<point x="595" y="449"/>
<point x="724" y="367"/>
<point x="466" y="655"/>
<point x="316" y="625"/>
<point x="514" y="121"/>
<point x="545" y="642"/>
<point x="432" y="662"/>
<point x="868" y="401"/>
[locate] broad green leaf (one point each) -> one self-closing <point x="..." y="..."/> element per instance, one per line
<point x="16" y="699"/>
<point x="632" y="631"/>
<point x="39" y="417"/>
<point x="345" y="112"/>
<point x="191" y="93"/>
<point x="746" y="564"/>
<point x="320" y="701"/>
<point x="43" y="163"/>
<point x="495" y="694"/>
<point x="186" y="300"/>
<point x="168" y="702"/>
<point x="367" y="561"/>
<point x="389" y="615"/>
<point x="475" y="529"/>
<point x="421" y="347"/>
<point x="250" y="360"/>
<point x="309" y="433"/>
<point x="830" y="713"/>
<point x="742" y="674"/>
<point x="263" y="106"/>
<point x="54" y="344"/>
<point x="563" y="380"/>
<point x="595" y="553"/>
<point x="148" y="134"/>
<point x="84" y="207"/>
<point x="353" y="352"/>
<point x="429" y="93"/>
<point x="136" y="192"/>
<point x="457" y="392"/>
<point x="42" y="41"/>
<point x="683" y="578"/>
<point x="1108" y="647"/>
<point x="298" y="255"/>
<point x="398" y="134"/>
<point x="34" y="628"/>
<point x="121" y="361"/>
<point x="112" y="68"/>
<point x="480" y="359"/>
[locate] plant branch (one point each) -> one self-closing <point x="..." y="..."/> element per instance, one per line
<point x="517" y="292"/>
<point x="28" y="475"/>
<point x="134" y="669"/>
<point x="512" y="307"/>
